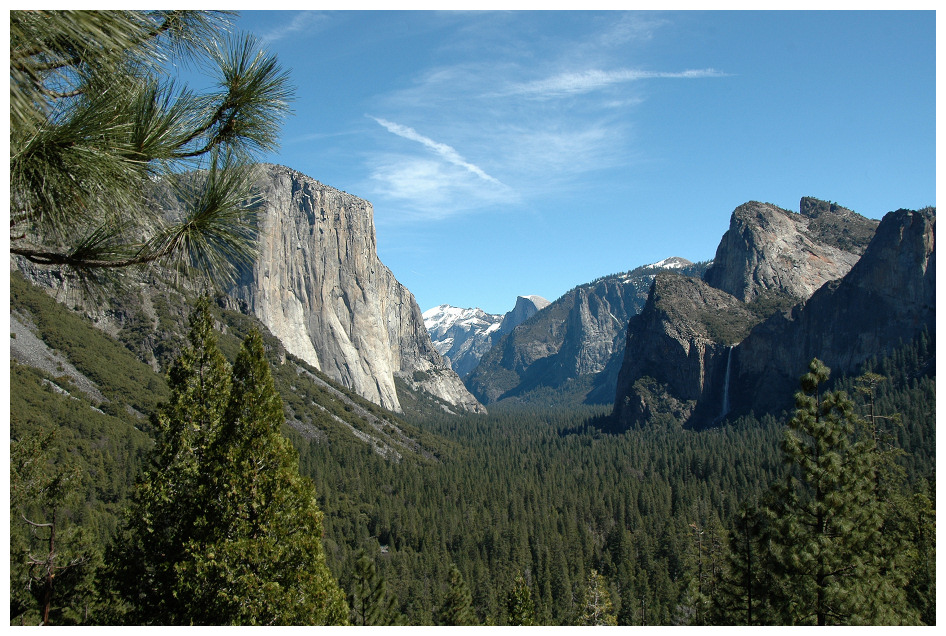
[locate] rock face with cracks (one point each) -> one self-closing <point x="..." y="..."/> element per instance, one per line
<point x="319" y="286"/>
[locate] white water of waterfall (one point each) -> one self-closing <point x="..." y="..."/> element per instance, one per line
<point x="725" y="410"/>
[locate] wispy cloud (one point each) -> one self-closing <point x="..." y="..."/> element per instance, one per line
<point x="446" y="152"/>
<point x="425" y="189"/>
<point x="300" y="22"/>
<point x="577" y="83"/>
<point x="631" y="28"/>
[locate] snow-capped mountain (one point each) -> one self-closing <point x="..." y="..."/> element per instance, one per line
<point x="462" y="336"/>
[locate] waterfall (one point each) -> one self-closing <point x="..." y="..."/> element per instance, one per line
<point x="725" y="410"/>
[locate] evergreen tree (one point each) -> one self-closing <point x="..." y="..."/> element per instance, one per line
<point x="824" y="520"/>
<point x="740" y="596"/>
<point x="164" y="514"/>
<point x="520" y="610"/>
<point x="95" y="116"/>
<point x="223" y="529"/>
<point x="52" y="557"/>
<point x="369" y="600"/>
<point x="260" y="559"/>
<point x="597" y="606"/>
<point x="457" y="605"/>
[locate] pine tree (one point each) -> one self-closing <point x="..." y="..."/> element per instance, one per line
<point x="597" y="606"/>
<point x="244" y="544"/>
<point x="95" y="116"/>
<point x="740" y="597"/>
<point x="824" y="520"/>
<point x="457" y="605"/>
<point x="164" y="514"/>
<point x="369" y="600"/>
<point x="52" y="557"/>
<point x="520" y="610"/>
<point x="259" y="560"/>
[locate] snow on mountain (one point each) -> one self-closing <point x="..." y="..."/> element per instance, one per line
<point x="461" y="335"/>
<point x="674" y="262"/>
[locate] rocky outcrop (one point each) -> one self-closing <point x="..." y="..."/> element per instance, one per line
<point x="886" y="299"/>
<point x="697" y="353"/>
<point x="769" y="250"/>
<point x="318" y="285"/>
<point x="463" y="336"/>
<point x="525" y="308"/>
<point x="574" y="345"/>
<point x="677" y="352"/>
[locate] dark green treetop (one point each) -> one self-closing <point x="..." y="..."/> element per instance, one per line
<point x="825" y="543"/>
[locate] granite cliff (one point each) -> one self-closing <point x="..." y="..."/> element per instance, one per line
<point x="784" y="288"/>
<point x="887" y="298"/>
<point x="770" y="250"/>
<point x="318" y="285"/>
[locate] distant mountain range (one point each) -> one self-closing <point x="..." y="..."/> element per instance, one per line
<point x="462" y="336"/>
<point x="570" y="351"/>
<point x="692" y="342"/>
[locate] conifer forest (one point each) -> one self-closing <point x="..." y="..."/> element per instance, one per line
<point x="526" y="516"/>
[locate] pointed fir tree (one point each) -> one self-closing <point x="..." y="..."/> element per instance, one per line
<point x="223" y="529"/>
<point x="520" y="610"/>
<point x="457" y="606"/>
<point x="740" y="596"/>
<point x="597" y="607"/>
<point x="369" y="600"/>
<point x="824" y="519"/>
<point x="260" y="560"/>
<point x="163" y="516"/>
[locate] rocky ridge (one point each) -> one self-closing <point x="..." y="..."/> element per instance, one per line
<point x="574" y="345"/>
<point x="463" y="336"/>
<point x="739" y="339"/>
<point x="317" y="285"/>
<point x="887" y="298"/>
<point x="769" y="249"/>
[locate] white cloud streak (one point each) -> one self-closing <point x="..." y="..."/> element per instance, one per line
<point x="566" y="84"/>
<point x="302" y="21"/>
<point x="446" y="152"/>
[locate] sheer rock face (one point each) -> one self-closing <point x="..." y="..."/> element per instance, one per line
<point x="886" y="299"/>
<point x="770" y="249"/>
<point x="697" y="352"/>
<point x="577" y="338"/>
<point x="526" y="307"/>
<point x="676" y="355"/>
<point x="318" y="285"/>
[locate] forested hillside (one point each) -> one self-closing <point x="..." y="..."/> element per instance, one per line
<point x="502" y="519"/>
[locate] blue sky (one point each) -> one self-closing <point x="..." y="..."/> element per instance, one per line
<point x="510" y="153"/>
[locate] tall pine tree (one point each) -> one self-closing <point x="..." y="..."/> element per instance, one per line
<point x="457" y="605"/>
<point x="165" y="508"/>
<point x="369" y="600"/>
<point x="824" y="542"/>
<point x="598" y="609"/>
<point x="245" y="544"/>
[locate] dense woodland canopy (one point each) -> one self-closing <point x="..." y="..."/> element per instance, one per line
<point x="525" y="515"/>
